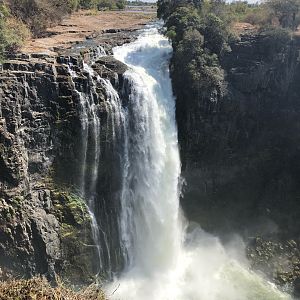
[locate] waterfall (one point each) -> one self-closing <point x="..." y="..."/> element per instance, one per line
<point x="166" y="258"/>
<point x="91" y="160"/>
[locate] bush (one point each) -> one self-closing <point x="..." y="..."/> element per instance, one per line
<point x="286" y="12"/>
<point x="13" y="32"/>
<point x="40" y="14"/>
<point x="261" y="16"/>
<point x="120" y="4"/>
<point x="88" y="4"/>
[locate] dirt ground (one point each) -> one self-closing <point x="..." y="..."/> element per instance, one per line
<point x="84" y="24"/>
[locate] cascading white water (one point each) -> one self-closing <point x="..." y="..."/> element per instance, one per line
<point x="90" y="127"/>
<point x="164" y="260"/>
<point x="91" y="150"/>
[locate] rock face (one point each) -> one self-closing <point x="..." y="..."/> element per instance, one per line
<point x="44" y="223"/>
<point x="240" y="154"/>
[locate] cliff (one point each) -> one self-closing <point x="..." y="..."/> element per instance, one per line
<point x="240" y="152"/>
<point x="45" y="224"/>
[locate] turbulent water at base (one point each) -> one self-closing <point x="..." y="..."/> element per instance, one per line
<point x="165" y="258"/>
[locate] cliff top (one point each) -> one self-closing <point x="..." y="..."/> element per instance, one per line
<point x="84" y="25"/>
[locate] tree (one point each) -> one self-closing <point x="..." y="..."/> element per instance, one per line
<point x="120" y="4"/>
<point x="40" y="14"/>
<point x="215" y="33"/>
<point x="181" y="20"/>
<point x="286" y="11"/>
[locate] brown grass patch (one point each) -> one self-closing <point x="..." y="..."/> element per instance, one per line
<point x="40" y="289"/>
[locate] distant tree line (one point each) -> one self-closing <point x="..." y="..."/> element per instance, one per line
<point x="139" y="3"/>
<point x="102" y="4"/>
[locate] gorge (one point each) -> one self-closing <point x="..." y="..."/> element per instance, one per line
<point x="91" y="172"/>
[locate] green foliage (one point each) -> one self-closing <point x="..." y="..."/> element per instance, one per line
<point x="88" y="4"/>
<point x="215" y="33"/>
<point x="199" y="35"/>
<point x="181" y="20"/>
<point x="106" y="4"/>
<point x="102" y="4"/>
<point x="165" y="8"/>
<point x="198" y="66"/>
<point x="13" y="32"/>
<point x="286" y="11"/>
<point x="120" y="4"/>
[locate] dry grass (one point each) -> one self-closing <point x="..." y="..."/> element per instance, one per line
<point x="39" y="289"/>
<point x="84" y="23"/>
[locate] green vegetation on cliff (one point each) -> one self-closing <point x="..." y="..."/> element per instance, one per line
<point x="200" y="32"/>
<point x="199" y="36"/>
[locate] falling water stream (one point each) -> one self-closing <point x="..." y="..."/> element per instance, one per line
<point x="165" y="258"/>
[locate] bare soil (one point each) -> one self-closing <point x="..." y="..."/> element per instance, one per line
<point x="84" y="24"/>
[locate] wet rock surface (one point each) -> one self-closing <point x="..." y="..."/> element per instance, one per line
<point x="278" y="259"/>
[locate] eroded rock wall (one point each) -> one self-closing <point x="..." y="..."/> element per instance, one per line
<point x="240" y="153"/>
<point x="45" y="227"/>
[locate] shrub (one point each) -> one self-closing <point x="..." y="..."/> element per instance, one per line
<point x="120" y="4"/>
<point x="88" y="4"/>
<point x="13" y="32"/>
<point x="40" y="14"/>
<point x="181" y="20"/>
<point x="261" y="16"/>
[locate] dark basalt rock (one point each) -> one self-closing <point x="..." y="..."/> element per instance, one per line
<point x="240" y="152"/>
<point x="44" y="224"/>
<point x="111" y="63"/>
<point x="278" y="259"/>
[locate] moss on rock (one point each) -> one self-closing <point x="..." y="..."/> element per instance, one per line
<point x="78" y="251"/>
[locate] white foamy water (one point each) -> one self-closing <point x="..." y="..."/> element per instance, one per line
<point x="163" y="260"/>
